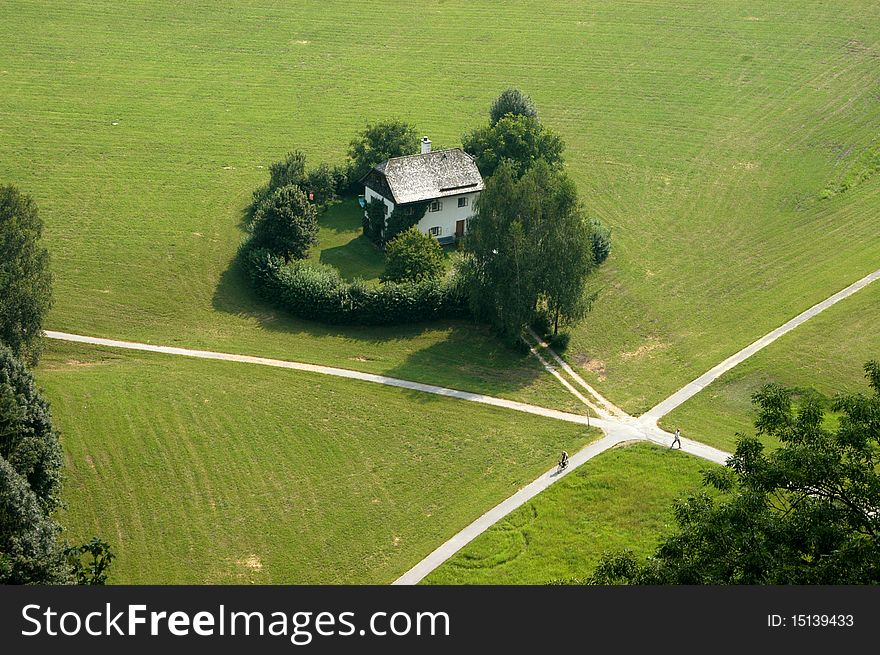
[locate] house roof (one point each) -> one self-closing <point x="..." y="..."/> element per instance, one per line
<point x="438" y="174"/>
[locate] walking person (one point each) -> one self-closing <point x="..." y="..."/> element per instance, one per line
<point x="676" y="439"/>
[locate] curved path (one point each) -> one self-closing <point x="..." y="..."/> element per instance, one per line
<point x="618" y="426"/>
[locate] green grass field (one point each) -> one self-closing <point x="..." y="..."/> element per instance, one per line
<point x="622" y="499"/>
<point x="213" y="472"/>
<point x="723" y="125"/>
<point x="731" y="147"/>
<point x="826" y="354"/>
<point x="342" y="244"/>
<point x="703" y="134"/>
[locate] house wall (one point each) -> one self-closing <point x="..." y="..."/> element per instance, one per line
<point x="446" y="218"/>
<point x="369" y="194"/>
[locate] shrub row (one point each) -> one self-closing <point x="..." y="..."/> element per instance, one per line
<point x="317" y="292"/>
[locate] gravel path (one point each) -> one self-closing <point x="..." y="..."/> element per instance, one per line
<point x="690" y="390"/>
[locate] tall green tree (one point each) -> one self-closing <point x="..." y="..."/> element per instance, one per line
<point x="28" y="440"/>
<point x="805" y="513"/>
<point x="523" y="140"/>
<point x="286" y="223"/>
<point x="30" y="487"/>
<point x="378" y="142"/>
<point x="512" y="101"/>
<point x="562" y="240"/>
<point x="529" y="249"/>
<point x="29" y="549"/>
<point x="25" y="280"/>
<point x="497" y="264"/>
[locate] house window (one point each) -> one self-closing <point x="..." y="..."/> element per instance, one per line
<point x="434" y="231"/>
<point x="463" y="202"/>
<point x="436" y="206"/>
<point x="385" y="207"/>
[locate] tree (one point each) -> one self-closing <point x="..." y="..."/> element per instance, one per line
<point x="413" y="257"/>
<point x="562" y="238"/>
<point x="286" y="223"/>
<point x="29" y="549"/>
<point x="528" y="249"/>
<point x="28" y="441"/>
<point x="512" y="101"/>
<point x="520" y="139"/>
<point x="378" y="142"/>
<point x="30" y="488"/>
<point x="805" y="513"/>
<point x="403" y="218"/>
<point x="25" y="280"/>
<point x="498" y="266"/>
<point x="374" y="221"/>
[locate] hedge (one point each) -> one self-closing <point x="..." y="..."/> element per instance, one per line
<point x="317" y="292"/>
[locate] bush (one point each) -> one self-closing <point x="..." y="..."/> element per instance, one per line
<point x="600" y="241"/>
<point x="259" y="197"/>
<point x="542" y="324"/>
<point x="413" y="257"/>
<point x="323" y="183"/>
<point x="286" y="223"/>
<point x="317" y="292"/>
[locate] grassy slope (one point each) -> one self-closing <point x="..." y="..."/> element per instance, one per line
<point x="728" y="121"/>
<point x="701" y="132"/>
<point x="142" y="131"/>
<point x="825" y="354"/>
<point x="622" y="499"/>
<point x="211" y="472"/>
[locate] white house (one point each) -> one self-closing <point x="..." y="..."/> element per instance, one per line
<point x="448" y="180"/>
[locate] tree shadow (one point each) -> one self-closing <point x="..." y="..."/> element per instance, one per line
<point x="469" y="359"/>
<point x="467" y="356"/>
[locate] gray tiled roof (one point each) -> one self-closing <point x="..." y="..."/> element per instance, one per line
<point x="415" y="178"/>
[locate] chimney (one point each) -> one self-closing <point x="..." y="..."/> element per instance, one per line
<point x="426" y="145"/>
